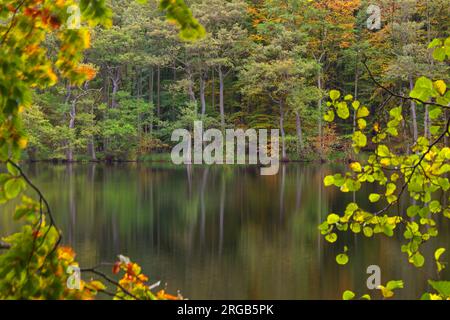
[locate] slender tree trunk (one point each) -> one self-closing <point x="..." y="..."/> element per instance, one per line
<point x="213" y="89"/>
<point x="426" y="123"/>
<point x="356" y="90"/>
<point x="202" y="94"/>
<point x="91" y="149"/>
<point x="319" y="107"/>
<point x="72" y="114"/>
<point x="150" y="85"/>
<point x="446" y="140"/>
<point x="283" y="142"/>
<point x="115" y="82"/>
<point x="139" y="83"/>
<point x="221" y="102"/>
<point x="158" y="92"/>
<point x="413" y="112"/>
<point x="190" y="85"/>
<point x="298" y="124"/>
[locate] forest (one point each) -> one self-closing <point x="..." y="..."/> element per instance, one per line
<point x="91" y="205"/>
<point x="261" y="64"/>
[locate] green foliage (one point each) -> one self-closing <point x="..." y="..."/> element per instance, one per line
<point x="421" y="174"/>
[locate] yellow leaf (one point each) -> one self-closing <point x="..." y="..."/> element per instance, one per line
<point x="356" y="166"/>
<point x="440" y="87"/>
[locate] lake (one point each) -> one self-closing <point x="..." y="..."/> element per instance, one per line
<point x="221" y="232"/>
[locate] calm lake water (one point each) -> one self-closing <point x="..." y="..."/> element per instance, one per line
<point x="221" y="232"/>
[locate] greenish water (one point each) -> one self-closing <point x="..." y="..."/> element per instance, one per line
<point x="220" y="232"/>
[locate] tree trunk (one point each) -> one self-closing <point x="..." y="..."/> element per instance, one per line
<point x="202" y="94"/>
<point x="413" y="112"/>
<point x="150" y="85"/>
<point x="298" y="125"/>
<point x="356" y="91"/>
<point x="190" y="85"/>
<point x="213" y="90"/>
<point x="158" y="92"/>
<point x="426" y="124"/>
<point x="115" y="81"/>
<point x="221" y="102"/>
<point x="72" y="114"/>
<point x="319" y="107"/>
<point x="91" y="149"/>
<point x="283" y="143"/>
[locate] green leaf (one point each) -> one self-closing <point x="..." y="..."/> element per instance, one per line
<point x="412" y="211"/>
<point x="332" y="218"/>
<point x="334" y="95"/>
<point x="342" y="110"/>
<point x="383" y="151"/>
<point x="331" y="238"/>
<point x="374" y="197"/>
<point x="443" y="287"/>
<point x="359" y="139"/>
<point x="21" y="212"/>
<point x="396" y="112"/>
<point x="12" y="170"/>
<point x="362" y="124"/>
<point x="436" y="42"/>
<point x="439" y="54"/>
<point x="348" y="97"/>
<point x="342" y="259"/>
<point x="423" y="89"/>
<point x="12" y="188"/>
<point x="417" y="260"/>
<point x="328" y="181"/>
<point x="394" y="284"/>
<point x="348" y="295"/>
<point x="390" y="189"/>
<point x="368" y="231"/>
<point x="438" y="253"/>
<point x="329" y="116"/>
<point x="362" y="112"/>
<point x="435" y="113"/>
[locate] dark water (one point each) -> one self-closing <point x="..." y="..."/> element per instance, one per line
<point x="221" y="232"/>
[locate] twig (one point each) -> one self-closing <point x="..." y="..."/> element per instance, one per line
<point x="392" y="93"/>
<point x="13" y="22"/>
<point x="112" y="281"/>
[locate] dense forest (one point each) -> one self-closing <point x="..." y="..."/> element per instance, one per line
<point x="261" y="64"/>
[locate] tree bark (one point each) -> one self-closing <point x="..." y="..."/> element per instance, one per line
<point x="283" y="143"/>
<point x="298" y="124"/>
<point x="221" y="102"/>
<point x="158" y="92"/>
<point x="413" y="112"/>
<point x="72" y="115"/>
<point x="319" y="107"/>
<point x="356" y="91"/>
<point x="202" y="94"/>
<point x="115" y="78"/>
<point x="190" y="85"/>
<point x="150" y="85"/>
<point x="213" y="89"/>
<point x="426" y="124"/>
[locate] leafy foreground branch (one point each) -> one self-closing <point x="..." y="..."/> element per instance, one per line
<point x="421" y="176"/>
<point x="33" y="264"/>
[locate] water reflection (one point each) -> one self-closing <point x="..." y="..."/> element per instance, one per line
<point x="219" y="232"/>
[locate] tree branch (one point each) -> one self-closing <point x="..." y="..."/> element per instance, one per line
<point x="392" y="93"/>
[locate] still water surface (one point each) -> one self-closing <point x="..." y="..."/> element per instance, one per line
<point x="220" y="232"/>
